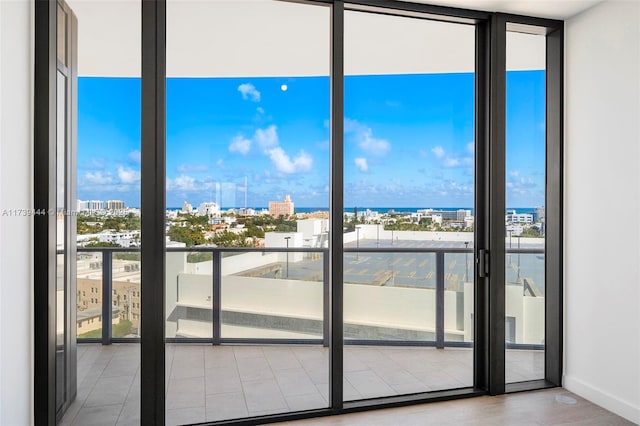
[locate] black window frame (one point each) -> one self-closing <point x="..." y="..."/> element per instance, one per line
<point x="489" y="328"/>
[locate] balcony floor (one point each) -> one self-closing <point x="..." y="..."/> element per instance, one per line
<point x="207" y="383"/>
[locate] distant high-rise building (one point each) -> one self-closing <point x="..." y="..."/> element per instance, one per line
<point x="539" y="217"/>
<point x="90" y="205"/>
<point x="186" y="207"/>
<point x="462" y="214"/>
<point x="115" y="205"/>
<point x="281" y="208"/>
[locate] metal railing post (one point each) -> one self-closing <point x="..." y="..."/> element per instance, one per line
<point x="440" y="300"/>
<point x="107" y="295"/>
<point x="217" y="305"/>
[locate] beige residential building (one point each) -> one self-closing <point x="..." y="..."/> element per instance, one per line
<point x="281" y="208"/>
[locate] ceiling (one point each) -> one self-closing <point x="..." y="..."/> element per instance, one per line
<point x="552" y="9"/>
<point x="241" y="38"/>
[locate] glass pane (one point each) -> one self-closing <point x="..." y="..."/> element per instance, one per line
<point x="108" y="169"/>
<point x="458" y="298"/>
<point x="391" y="296"/>
<point x="408" y="196"/>
<point x="126" y="294"/>
<point x="273" y="295"/>
<point x="89" y="297"/>
<point x="62" y="36"/>
<point x="247" y="183"/>
<point x="61" y="240"/>
<point x="189" y="292"/>
<point x="525" y="200"/>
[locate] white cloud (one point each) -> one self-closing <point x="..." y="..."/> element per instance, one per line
<point x="521" y="190"/>
<point x="363" y="135"/>
<point x="98" y="178"/>
<point x="260" y="110"/>
<point x="438" y="151"/>
<point x="456" y="159"/>
<point x="192" y="168"/>
<point x="351" y="126"/>
<point x="181" y="183"/>
<point x="240" y="145"/>
<point x="269" y="143"/>
<point x="371" y="145"/>
<point x="283" y="163"/>
<point x="451" y="162"/>
<point x="471" y="148"/>
<point x="128" y="176"/>
<point x="220" y="163"/>
<point x="361" y="164"/>
<point x="97" y="163"/>
<point x="249" y="92"/>
<point x="522" y="184"/>
<point x="134" y="156"/>
<point x="267" y="138"/>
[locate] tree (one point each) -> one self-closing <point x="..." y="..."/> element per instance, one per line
<point x="191" y="236"/>
<point x="283" y="225"/>
<point x="127" y="256"/>
<point x="531" y="232"/>
<point x="199" y="257"/>
<point x="425" y="221"/>
<point x="253" y="231"/>
<point x="102" y="244"/>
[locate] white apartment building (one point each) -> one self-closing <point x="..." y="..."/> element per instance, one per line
<point x="519" y="217"/>
<point x="208" y="209"/>
<point x="90" y="205"/>
<point x="115" y="205"/>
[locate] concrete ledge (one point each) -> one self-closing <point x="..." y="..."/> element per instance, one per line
<point x="604" y="399"/>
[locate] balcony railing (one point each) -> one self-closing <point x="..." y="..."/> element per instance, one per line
<point x="198" y="301"/>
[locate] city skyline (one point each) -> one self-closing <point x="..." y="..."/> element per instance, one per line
<point x="408" y="143"/>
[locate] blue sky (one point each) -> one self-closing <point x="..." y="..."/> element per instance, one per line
<point x="408" y="140"/>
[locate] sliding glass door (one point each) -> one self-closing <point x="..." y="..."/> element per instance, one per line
<point x="409" y="159"/>
<point x="65" y="221"/>
<point x="247" y="208"/>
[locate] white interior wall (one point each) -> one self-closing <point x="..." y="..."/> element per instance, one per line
<point x="602" y="153"/>
<point x="16" y="192"/>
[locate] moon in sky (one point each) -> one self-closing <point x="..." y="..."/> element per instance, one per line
<point x="284" y="87"/>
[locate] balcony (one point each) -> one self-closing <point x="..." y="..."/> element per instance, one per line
<point x="247" y="329"/>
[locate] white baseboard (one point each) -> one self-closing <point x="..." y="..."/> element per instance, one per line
<point x="604" y="399"/>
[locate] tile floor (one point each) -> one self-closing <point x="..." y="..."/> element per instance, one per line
<point x="207" y="383"/>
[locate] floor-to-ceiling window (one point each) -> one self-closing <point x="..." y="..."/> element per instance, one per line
<point x="247" y="204"/>
<point x="525" y="202"/>
<point x="106" y="209"/>
<point x="321" y="204"/>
